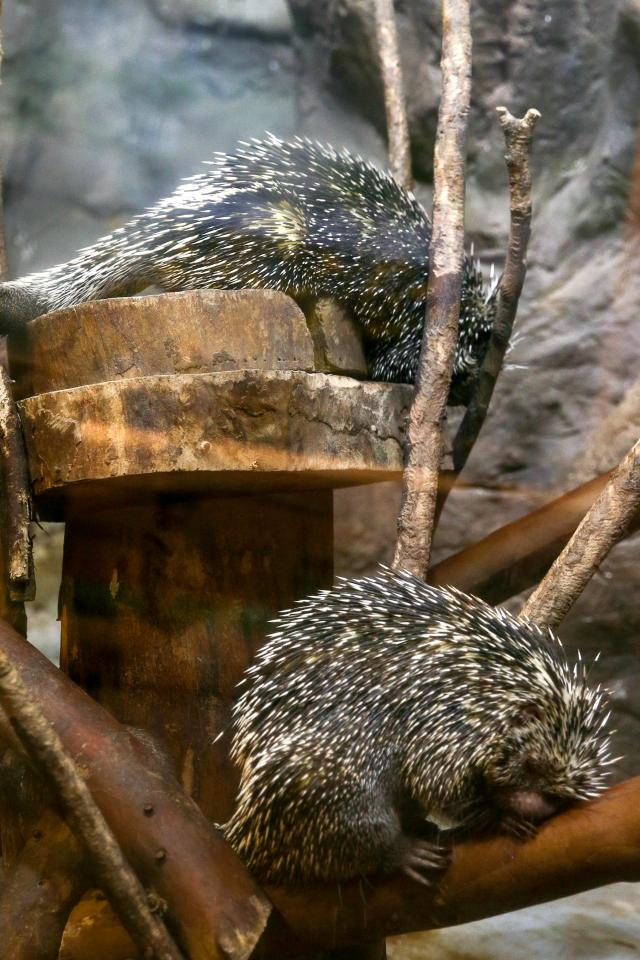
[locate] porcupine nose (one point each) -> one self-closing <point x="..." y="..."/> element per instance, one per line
<point x="531" y="805"/>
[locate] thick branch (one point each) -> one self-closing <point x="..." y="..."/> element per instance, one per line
<point x="587" y="847"/>
<point x="394" y="101"/>
<point x="605" y="524"/>
<point x="40" y="891"/>
<point x="518" y="135"/>
<point x="424" y="434"/>
<point x="161" y="831"/>
<point x="516" y="556"/>
<point x="112" y="871"/>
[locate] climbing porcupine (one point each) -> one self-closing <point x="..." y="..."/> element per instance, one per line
<point x="297" y="217"/>
<point x="385" y="703"/>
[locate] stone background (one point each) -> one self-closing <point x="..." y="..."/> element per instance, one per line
<point x="104" y="106"/>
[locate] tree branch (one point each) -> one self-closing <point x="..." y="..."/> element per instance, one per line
<point x="607" y="521"/>
<point x="163" y="834"/>
<point x="424" y="433"/>
<point x="17" y="490"/>
<point x="515" y="557"/>
<point x="518" y="135"/>
<point x="40" y="891"/>
<point x="588" y="846"/>
<point x="112" y="871"/>
<point x="396" y="112"/>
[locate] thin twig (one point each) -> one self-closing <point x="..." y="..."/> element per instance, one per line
<point x="424" y="433"/>
<point x="394" y="100"/>
<point x="604" y="525"/>
<point x="112" y="871"/>
<point x="518" y="135"/>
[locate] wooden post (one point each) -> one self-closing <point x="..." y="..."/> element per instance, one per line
<point x="191" y="443"/>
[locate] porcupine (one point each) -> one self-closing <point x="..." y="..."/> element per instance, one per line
<point x="383" y="704"/>
<point x="298" y="217"/>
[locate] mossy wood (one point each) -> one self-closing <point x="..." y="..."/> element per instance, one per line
<point x="191" y="442"/>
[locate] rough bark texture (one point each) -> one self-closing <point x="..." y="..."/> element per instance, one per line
<point x="112" y="871"/>
<point x="607" y="521"/>
<point x="600" y="844"/>
<point x="397" y="126"/>
<point x="40" y="890"/>
<point x="515" y="557"/>
<point x="518" y="134"/>
<point x="214" y="906"/>
<point x="17" y="496"/>
<point x="424" y="433"/>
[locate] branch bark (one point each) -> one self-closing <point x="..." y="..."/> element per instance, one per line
<point x="214" y="907"/>
<point x="589" y="846"/>
<point x="17" y="491"/>
<point x="607" y="521"/>
<point x="516" y="556"/>
<point x="424" y="433"/>
<point x="40" y="891"/>
<point x="112" y="872"/>
<point x="518" y="135"/>
<point x="394" y="100"/>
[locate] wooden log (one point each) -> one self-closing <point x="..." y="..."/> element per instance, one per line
<point x="164" y="603"/>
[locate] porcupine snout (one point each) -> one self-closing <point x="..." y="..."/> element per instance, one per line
<point x="529" y="804"/>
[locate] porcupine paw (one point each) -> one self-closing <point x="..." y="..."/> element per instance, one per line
<point x="517" y="827"/>
<point x="423" y="861"/>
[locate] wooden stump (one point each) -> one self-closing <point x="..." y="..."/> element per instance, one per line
<point x="191" y="443"/>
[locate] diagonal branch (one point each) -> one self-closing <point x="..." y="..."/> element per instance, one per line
<point x="17" y="490"/>
<point x="39" y="892"/>
<point x="515" y="557"/>
<point x="586" y="847"/>
<point x="163" y="834"/>
<point x="112" y="871"/>
<point x="518" y="135"/>
<point x="604" y="525"/>
<point x="424" y="434"/>
<point x="394" y="101"/>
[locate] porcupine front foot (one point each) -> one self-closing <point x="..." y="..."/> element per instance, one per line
<point x="423" y="860"/>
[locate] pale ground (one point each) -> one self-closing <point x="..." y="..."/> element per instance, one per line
<point x="598" y="925"/>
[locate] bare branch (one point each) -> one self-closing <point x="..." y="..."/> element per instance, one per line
<point x="605" y="524"/>
<point x="394" y="100"/>
<point x="164" y="835"/>
<point x="112" y="871"/>
<point x="424" y="434"/>
<point x="40" y="891"/>
<point x="515" y="557"/>
<point x="586" y="847"/>
<point x="17" y="495"/>
<point x="518" y="134"/>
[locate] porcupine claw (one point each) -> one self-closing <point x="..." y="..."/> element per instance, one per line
<point x="518" y="828"/>
<point x="424" y="857"/>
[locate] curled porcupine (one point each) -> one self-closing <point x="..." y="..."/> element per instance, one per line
<point x="384" y="704"/>
<point x="297" y="217"/>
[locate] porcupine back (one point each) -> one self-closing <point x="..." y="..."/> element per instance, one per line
<point x="384" y="696"/>
<point x="297" y="217"/>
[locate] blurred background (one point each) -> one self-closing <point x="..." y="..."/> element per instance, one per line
<point x="105" y="106"/>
